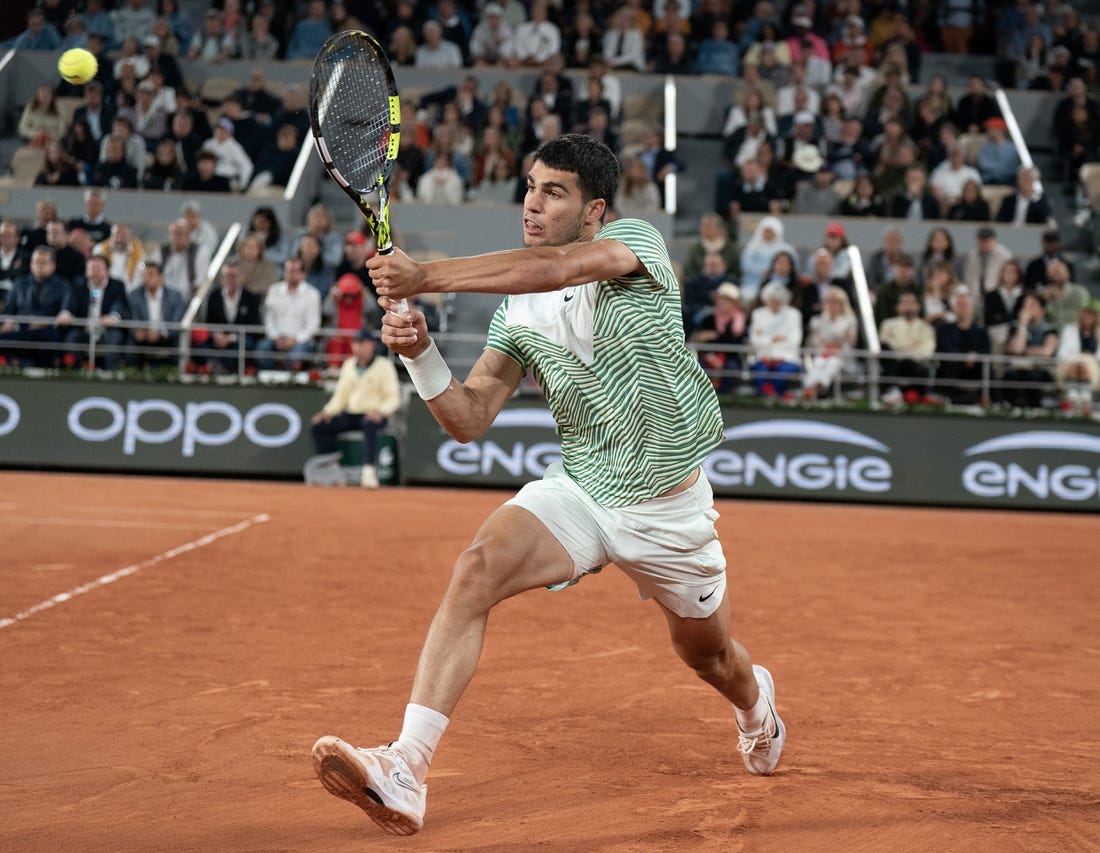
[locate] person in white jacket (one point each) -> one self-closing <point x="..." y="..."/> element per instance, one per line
<point x="1078" y="369"/>
<point x="233" y="162"/>
<point x="776" y="336"/>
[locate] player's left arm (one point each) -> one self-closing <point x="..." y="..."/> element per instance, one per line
<point x="537" y="269"/>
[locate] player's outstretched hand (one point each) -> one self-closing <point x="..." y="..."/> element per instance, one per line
<point x="396" y="275"/>
<point x="406" y="334"/>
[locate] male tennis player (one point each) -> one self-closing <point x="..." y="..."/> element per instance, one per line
<point x="595" y="313"/>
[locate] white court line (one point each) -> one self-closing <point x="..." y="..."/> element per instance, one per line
<point x="133" y="569"/>
<point x="103" y="522"/>
<point x="145" y="510"/>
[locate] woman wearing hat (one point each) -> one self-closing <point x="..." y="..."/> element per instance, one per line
<point x="725" y="324"/>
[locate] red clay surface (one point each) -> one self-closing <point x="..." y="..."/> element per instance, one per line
<point x="938" y="672"/>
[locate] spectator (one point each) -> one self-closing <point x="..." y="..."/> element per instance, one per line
<point x="670" y="54"/>
<point x="13" y="261"/>
<point x="971" y="206"/>
<point x="293" y="111"/>
<point x="172" y="42"/>
<point x="1076" y="131"/>
<point x="276" y="161"/>
<point x="68" y="262"/>
<point x="1028" y="204"/>
<point x="915" y="202"/>
<point x="1064" y="299"/>
<point x="713" y="236"/>
<point x="436" y="51"/>
<point x="93" y="221"/>
<point x="910" y="341"/>
<point x="976" y="107"/>
<point x="939" y="284"/>
<point x="132" y="20"/>
<point x="863" y="200"/>
<point x="133" y="146"/>
<point x="229" y="303"/>
<point x="637" y="190"/>
<point x="166" y="173"/>
<point x="159" y="308"/>
<point x="456" y="26"/>
<point x="1033" y="341"/>
<point x="102" y="301"/>
<point x="808" y="291"/>
<point x="817" y="196"/>
<point x="961" y="381"/>
<point x="904" y="281"/>
<point x="660" y="161"/>
<point x="247" y="131"/>
<point x="998" y="162"/>
<point x="58" y="169"/>
<point x="42" y="296"/>
<point x="740" y="114"/>
<point x="124" y="253"/>
<point x="831" y="339"/>
<point x="129" y="69"/>
<point x="582" y="39"/>
<point x="98" y="22"/>
<point x="40" y="34"/>
<point x="784" y="269"/>
<point x="204" y="178"/>
<point x="149" y="120"/>
<point x="402" y="46"/>
<point x="982" y="265"/>
<point x="1078" y="370"/>
<point x="320" y="224"/>
<point x="201" y="230"/>
<point x="775" y="332"/>
<point x="259" y="43"/>
<point x="233" y="163"/>
<point x="256" y="271"/>
<point x="718" y="54"/>
<point x="214" y="44"/>
<point x="756" y="257"/>
<point x="939" y="246"/>
<point x="94" y="111"/>
<point x="491" y="42"/>
<point x="1036" y="272"/>
<point x="34" y="235"/>
<point x="256" y="98"/>
<point x="612" y="85"/>
<point x="183" y="262"/>
<point x="1002" y="304"/>
<point x="366" y="395"/>
<point x="164" y="63"/>
<point x="835" y="242"/>
<point x="537" y="39"/>
<point x="809" y="52"/>
<point x="500" y="186"/>
<point x="699" y="289"/>
<point x="318" y="273"/>
<point x="948" y="178"/>
<point x="723" y="325"/>
<point x="41" y="121"/>
<point x="114" y="170"/>
<point x="265" y="224"/>
<point x="292" y="316"/>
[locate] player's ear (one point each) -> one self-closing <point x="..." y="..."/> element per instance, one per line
<point x="594" y="211"/>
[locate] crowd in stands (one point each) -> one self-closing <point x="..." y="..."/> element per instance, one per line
<point x="826" y="118"/>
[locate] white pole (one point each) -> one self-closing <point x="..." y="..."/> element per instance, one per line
<point x="867" y="315"/>
<point x="670" y="141"/>
<point x="1013" y="128"/>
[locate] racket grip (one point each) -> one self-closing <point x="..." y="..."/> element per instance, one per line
<point x="401" y="307"/>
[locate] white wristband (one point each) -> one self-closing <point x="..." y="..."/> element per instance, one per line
<point x="429" y="372"/>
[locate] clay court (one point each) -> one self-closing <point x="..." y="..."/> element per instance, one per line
<point x="178" y="645"/>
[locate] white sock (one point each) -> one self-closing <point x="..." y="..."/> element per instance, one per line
<point x="753" y="720"/>
<point x="420" y="736"/>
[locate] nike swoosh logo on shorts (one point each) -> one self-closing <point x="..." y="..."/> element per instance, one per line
<point x="708" y="595"/>
<point x="570" y="296"/>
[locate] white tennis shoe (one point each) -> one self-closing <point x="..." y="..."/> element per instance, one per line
<point x="377" y="780"/>
<point x="761" y="749"/>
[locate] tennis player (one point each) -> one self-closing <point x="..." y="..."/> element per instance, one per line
<point x="593" y="311"/>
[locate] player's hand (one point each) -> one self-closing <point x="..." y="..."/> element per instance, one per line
<point x="396" y="275"/>
<point x="405" y="334"/>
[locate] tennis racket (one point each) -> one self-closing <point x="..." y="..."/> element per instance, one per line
<point x="355" y="116"/>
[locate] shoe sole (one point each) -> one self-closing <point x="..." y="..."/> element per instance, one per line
<point x="762" y="672"/>
<point x="343" y="777"/>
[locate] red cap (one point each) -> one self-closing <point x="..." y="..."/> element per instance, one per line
<point x="349" y="284"/>
<point x="357" y="238"/>
<point x="997" y="122"/>
<point x="835" y="229"/>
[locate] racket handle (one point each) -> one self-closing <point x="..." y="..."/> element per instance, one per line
<point x="401" y="307"/>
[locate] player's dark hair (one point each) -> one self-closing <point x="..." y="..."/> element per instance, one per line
<point x="595" y="165"/>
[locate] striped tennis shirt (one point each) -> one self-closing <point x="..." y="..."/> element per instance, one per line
<point x="635" y="412"/>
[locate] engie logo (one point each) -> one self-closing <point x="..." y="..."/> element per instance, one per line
<point x="209" y="423"/>
<point x="840" y="470"/>
<point x="518" y="458"/>
<point x="1043" y="478"/>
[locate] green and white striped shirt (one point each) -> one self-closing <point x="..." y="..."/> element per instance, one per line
<point x="635" y="411"/>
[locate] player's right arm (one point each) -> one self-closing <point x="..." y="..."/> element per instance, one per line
<point x="465" y="410"/>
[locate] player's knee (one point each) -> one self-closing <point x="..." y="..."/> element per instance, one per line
<point x="472" y="579"/>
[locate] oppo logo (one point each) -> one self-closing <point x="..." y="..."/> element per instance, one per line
<point x="988" y="478"/>
<point x="209" y="424"/>
<point x="11" y="413"/>
<point x="517" y="460"/>
<point x="839" y="470"/>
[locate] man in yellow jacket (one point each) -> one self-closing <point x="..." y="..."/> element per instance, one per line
<point x="365" y="396"/>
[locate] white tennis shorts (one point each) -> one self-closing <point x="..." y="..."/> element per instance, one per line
<point x="667" y="545"/>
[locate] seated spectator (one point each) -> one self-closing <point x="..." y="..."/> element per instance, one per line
<point x="149" y="120"/>
<point x="158" y="308"/>
<point x="492" y="37"/>
<point x="724" y="324"/>
<point x="93" y="221"/>
<point x="256" y="271"/>
<point x="249" y="133"/>
<point x="114" y="170"/>
<point x="670" y="54"/>
<point x="939" y="284"/>
<point x="318" y="273"/>
<point x="40" y="34"/>
<point x="58" y="170"/>
<point x="133" y="146"/>
<point x="998" y="161"/>
<point x="39" y="293"/>
<point x="132" y="19"/>
<point x="230" y="304"/>
<point x="366" y="395"/>
<point x="982" y="265"/>
<point x="948" y="178"/>
<point x="975" y="107"/>
<point x="255" y="98"/>
<point x="124" y="253"/>
<point x="215" y="45"/>
<point x="698" y="289"/>
<point x="186" y="140"/>
<point x="81" y="149"/>
<point x="292" y="316"/>
<point x="204" y="177"/>
<point x="265" y="224"/>
<point x="14" y="262"/>
<point x="402" y="46"/>
<point x="864" y="199"/>
<point x="817" y="196"/>
<point x="757" y="255"/>
<point x="321" y="225"/>
<point x="34" y="234"/>
<point x="1000" y="307"/>
<point x="784" y="269"/>
<point x="537" y="39"/>
<point x="582" y="39"/>
<point x="500" y="186"/>
<point x="938" y="247"/>
<point x="902" y="281"/>
<point x="971" y="206"/>
<point x="293" y="110"/>
<point x="835" y="242"/>
<point x="808" y="291"/>
<point x="102" y="301"/>
<point x="636" y="189"/>
<point x="964" y="335"/>
<point x="183" y="262"/>
<point x="713" y="236"/>
<point x="659" y="160"/>
<point x="276" y="161"/>
<point x="98" y="114"/>
<point x="809" y="52"/>
<point x="163" y="62"/>
<point x="130" y="68"/>
<point x="41" y="121"/>
<point x="1064" y="298"/>
<point x="1028" y="204"/>
<point x="1078" y="371"/>
<point x="624" y="45"/>
<point x="915" y="202"/>
<point x="831" y="339"/>
<point x="851" y="155"/>
<point x="775" y="332"/>
<point x="166" y="172"/>
<point x="1032" y="340"/>
<point x="744" y="144"/>
<point x="68" y="263"/>
<point x="1076" y="127"/>
<point x="1036" y="273"/>
<point x="435" y="51"/>
<point x="717" y="54"/>
<point x="233" y="163"/>
<point x="750" y="192"/>
<point x="752" y="104"/>
<point x="910" y="341"/>
<point x="259" y="43"/>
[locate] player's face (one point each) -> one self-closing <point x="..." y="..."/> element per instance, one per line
<point x="553" y="209"/>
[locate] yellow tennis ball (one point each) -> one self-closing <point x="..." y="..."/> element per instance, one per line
<point x="77" y="66"/>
